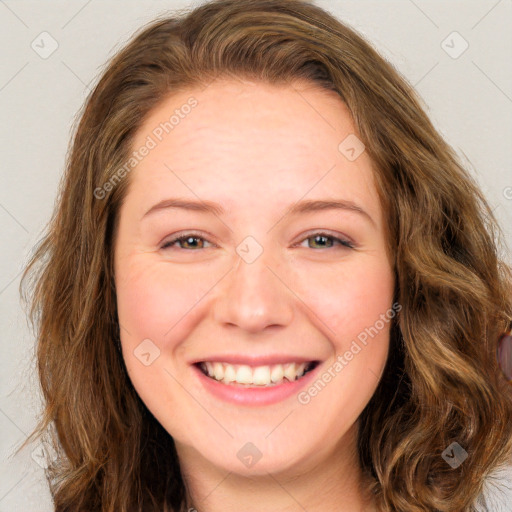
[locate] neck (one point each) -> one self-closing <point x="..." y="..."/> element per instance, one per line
<point x="334" y="483"/>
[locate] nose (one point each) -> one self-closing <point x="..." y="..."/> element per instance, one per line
<point x="254" y="297"/>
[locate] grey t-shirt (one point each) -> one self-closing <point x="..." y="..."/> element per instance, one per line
<point x="497" y="493"/>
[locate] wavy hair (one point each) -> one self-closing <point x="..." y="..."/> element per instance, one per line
<point x="441" y="383"/>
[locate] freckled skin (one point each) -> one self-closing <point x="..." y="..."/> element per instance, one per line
<point x="255" y="149"/>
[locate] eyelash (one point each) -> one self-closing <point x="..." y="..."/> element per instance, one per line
<point x="344" y="243"/>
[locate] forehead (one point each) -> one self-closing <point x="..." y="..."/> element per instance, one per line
<point x="250" y="141"/>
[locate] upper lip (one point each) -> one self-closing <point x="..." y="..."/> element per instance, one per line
<point x="263" y="360"/>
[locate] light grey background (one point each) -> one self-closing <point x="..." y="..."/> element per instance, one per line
<point x="469" y="99"/>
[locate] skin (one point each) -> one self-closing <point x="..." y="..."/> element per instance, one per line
<point x="255" y="149"/>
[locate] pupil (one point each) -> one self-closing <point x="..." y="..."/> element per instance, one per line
<point x="320" y="237"/>
<point x="190" y="240"/>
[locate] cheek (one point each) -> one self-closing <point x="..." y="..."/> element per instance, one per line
<point x="356" y="311"/>
<point x="153" y="300"/>
<point x="347" y="298"/>
<point x="154" y="303"/>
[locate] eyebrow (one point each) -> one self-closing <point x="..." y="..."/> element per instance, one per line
<point x="306" y="206"/>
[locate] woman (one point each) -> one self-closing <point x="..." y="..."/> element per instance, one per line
<point x="268" y="275"/>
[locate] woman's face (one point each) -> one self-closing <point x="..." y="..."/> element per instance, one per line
<point x="268" y="278"/>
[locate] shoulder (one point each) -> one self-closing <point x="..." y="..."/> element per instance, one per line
<point x="497" y="493"/>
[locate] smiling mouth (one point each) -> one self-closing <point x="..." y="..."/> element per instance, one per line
<point x="255" y="376"/>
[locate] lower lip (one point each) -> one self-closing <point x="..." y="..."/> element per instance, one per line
<point x="262" y="395"/>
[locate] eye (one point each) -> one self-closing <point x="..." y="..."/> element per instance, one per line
<point x="194" y="241"/>
<point x="323" y="238"/>
<point x="188" y="238"/>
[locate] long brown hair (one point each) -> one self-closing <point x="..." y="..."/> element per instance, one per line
<point x="441" y="384"/>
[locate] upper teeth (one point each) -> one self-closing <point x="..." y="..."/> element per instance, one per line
<point x="258" y="375"/>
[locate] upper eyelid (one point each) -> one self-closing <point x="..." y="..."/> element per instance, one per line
<point x="326" y="232"/>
